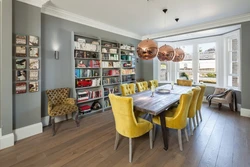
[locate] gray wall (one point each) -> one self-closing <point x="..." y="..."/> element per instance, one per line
<point x="6" y="68"/>
<point x="56" y="32"/>
<point x="245" y="60"/>
<point x="27" y="107"/>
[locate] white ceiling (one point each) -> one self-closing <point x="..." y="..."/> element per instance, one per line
<point x="200" y="34"/>
<point x="146" y="17"/>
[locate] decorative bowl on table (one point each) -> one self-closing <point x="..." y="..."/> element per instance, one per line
<point x="163" y="91"/>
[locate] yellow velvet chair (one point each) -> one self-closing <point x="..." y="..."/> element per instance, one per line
<point x="153" y="82"/>
<point x="142" y="86"/>
<point x="176" y="118"/>
<point x="199" y="102"/>
<point x="60" y="104"/>
<point x="128" y="89"/>
<point x="184" y="82"/>
<point x="126" y="123"/>
<point x="192" y="108"/>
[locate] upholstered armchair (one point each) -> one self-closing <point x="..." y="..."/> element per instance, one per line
<point x="142" y="86"/>
<point x="59" y="104"/>
<point x="128" y="89"/>
<point x="153" y="83"/>
<point x="184" y="82"/>
<point x="127" y="123"/>
<point x="221" y="96"/>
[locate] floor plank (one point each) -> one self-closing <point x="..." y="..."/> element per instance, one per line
<point x="221" y="139"/>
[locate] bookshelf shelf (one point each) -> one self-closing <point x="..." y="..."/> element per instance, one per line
<point x="89" y="100"/>
<point x="87" y="87"/>
<point x="112" y="84"/>
<point x="110" y="76"/>
<point x="86" y="50"/>
<point x="79" y="58"/>
<point x="89" y="77"/>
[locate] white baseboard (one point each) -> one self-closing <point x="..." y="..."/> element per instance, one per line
<point x="6" y="141"/>
<point x="28" y="131"/>
<point x="245" y="112"/>
<point x="45" y="120"/>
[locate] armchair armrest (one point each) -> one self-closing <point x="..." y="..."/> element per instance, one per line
<point x="70" y="101"/>
<point x="50" y="106"/>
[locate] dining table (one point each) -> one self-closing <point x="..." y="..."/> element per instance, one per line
<point x="157" y="102"/>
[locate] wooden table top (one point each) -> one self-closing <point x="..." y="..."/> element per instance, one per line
<point x="157" y="104"/>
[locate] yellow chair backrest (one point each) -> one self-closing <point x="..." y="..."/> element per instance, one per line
<point x="154" y="83"/>
<point x="125" y="121"/>
<point x="128" y="89"/>
<point x="58" y="96"/>
<point x="192" y="108"/>
<point x="184" y="82"/>
<point x="142" y="86"/>
<point x="200" y="98"/>
<point x="179" y="120"/>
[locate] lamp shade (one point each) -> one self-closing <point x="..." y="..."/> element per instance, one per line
<point x="179" y="55"/>
<point x="147" y="49"/>
<point x="166" y="53"/>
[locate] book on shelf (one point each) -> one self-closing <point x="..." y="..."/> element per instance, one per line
<point x="79" y="73"/>
<point x="88" y="82"/>
<point x="106" y="56"/>
<point x="106" y="64"/>
<point x="128" y="71"/>
<point x="113" y="80"/>
<point x="86" y="54"/>
<point x="87" y="63"/>
<point x="88" y="94"/>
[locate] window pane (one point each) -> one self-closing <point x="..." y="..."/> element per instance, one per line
<point x="233" y="81"/>
<point x="234" y="44"/>
<point x="235" y="68"/>
<point x="234" y="56"/>
<point x="186" y="64"/>
<point x="163" y="72"/>
<point x="207" y="64"/>
<point x="186" y="75"/>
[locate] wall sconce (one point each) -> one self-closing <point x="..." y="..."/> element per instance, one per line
<point x="56" y="55"/>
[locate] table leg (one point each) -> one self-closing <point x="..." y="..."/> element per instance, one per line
<point x="165" y="131"/>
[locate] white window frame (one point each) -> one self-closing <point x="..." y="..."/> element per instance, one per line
<point x="226" y="37"/>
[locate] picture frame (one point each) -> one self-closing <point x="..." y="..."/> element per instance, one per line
<point x="21" y="87"/>
<point x="21" y="39"/>
<point x="34" y="75"/>
<point x="33" y="86"/>
<point x="34" y="52"/>
<point x="33" y="64"/>
<point x="21" y="64"/>
<point x="21" y="75"/>
<point x="33" y="40"/>
<point x="21" y="51"/>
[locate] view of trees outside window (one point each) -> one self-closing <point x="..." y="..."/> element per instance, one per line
<point x="233" y="77"/>
<point x="185" y="66"/>
<point x="207" y="65"/>
<point x="163" y="71"/>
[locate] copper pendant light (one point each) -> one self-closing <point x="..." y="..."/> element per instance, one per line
<point x="166" y="53"/>
<point x="179" y="55"/>
<point x="147" y="49"/>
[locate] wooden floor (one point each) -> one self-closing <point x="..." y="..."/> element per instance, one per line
<point x="222" y="139"/>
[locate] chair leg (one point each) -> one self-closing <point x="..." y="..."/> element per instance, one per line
<point x="197" y="119"/>
<point x="194" y="123"/>
<point x="179" y="139"/>
<point x="130" y="149"/>
<point x="231" y="106"/>
<point x="77" y="119"/>
<point x="219" y="106"/>
<point x="50" y="123"/>
<point x="53" y="126"/>
<point x="190" y="126"/>
<point x="117" y="136"/>
<point x="151" y="138"/>
<point x="186" y="134"/>
<point x="200" y="115"/>
<point x="66" y="116"/>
